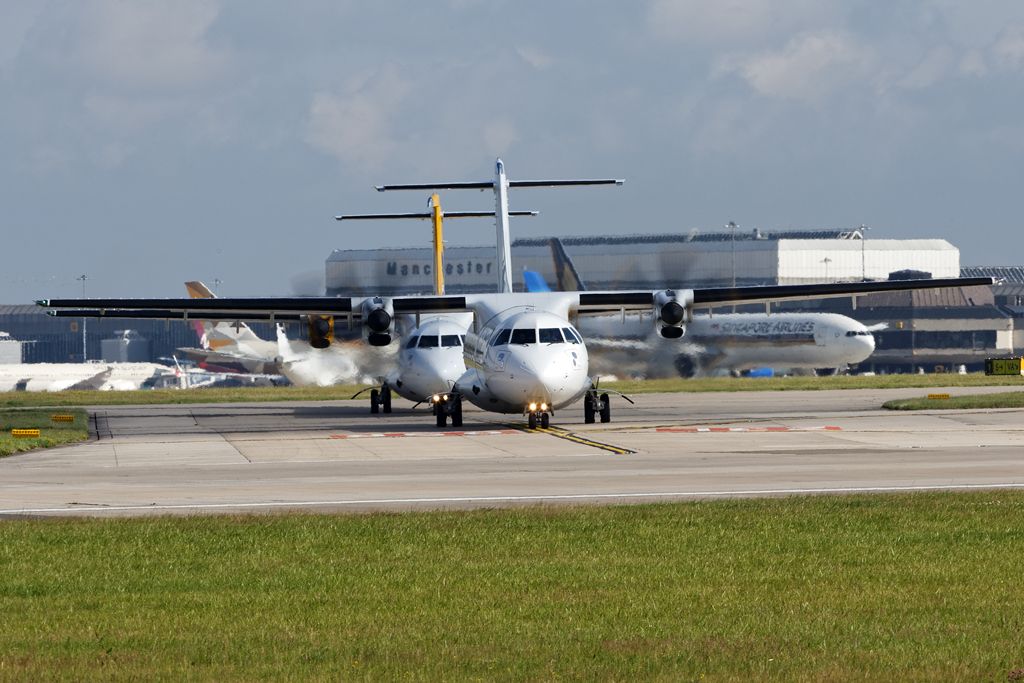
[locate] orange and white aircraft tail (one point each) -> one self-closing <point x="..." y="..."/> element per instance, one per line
<point x="218" y="336"/>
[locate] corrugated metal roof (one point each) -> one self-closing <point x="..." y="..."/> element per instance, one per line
<point x="695" y="236"/>
<point x="940" y="313"/>
<point x="22" y="309"/>
<point x="1008" y="274"/>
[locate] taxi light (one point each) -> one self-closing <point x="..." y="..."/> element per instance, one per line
<point x="533" y="407"/>
<point x="436" y="398"/>
<point x="445" y="397"/>
<point x="543" y="406"/>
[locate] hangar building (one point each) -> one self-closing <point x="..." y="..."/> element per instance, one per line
<point x="650" y="261"/>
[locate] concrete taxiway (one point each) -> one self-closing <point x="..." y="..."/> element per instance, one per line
<point x="335" y="456"/>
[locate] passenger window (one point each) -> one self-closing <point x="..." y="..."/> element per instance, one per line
<point x="412" y="342"/>
<point x="524" y="336"/>
<point x="570" y="335"/>
<point x="428" y="342"/>
<point x="550" y="335"/>
<point x="502" y="337"/>
<point x="450" y="340"/>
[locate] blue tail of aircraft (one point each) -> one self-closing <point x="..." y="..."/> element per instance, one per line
<point x="534" y="282"/>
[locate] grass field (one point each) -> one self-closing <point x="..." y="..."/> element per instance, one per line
<point x="50" y="433"/>
<point x="1010" y="399"/>
<point x="234" y="395"/>
<point x="907" y="587"/>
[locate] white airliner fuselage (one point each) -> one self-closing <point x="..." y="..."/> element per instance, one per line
<point x="431" y="358"/>
<point x="729" y="342"/>
<point x="525" y="357"/>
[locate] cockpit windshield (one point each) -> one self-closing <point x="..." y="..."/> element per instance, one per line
<point x="570" y="335"/>
<point x="502" y="337"/>
<point x="428" y="341"/>
<point x="412" y="342"/>
<point x="524" y="336"/>
<point x="550" y="335"/>
<point x="858" y="333"/>
<point x="451" y="340"/>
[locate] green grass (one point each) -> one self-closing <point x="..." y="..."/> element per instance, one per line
<point x="1010" y="399"/>
<point x="235" y="395"/>
<point x="51" y="433"/>
<point x="812" y="383"/>
<point x="902" y="587"/>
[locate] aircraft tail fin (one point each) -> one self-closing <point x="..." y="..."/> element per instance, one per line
<point x="214" y="336"/>
<point x="565" y="271"/>
<point x="534" y="282"/>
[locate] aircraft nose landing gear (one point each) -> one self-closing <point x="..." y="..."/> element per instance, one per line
<point x="593" y="404"/>
<point x="445" y="406"/>
<point x="538" y="412"/>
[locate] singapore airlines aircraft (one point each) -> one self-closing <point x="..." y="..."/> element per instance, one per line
<point x="522" y="353"/>
<point x="733" y="342"/>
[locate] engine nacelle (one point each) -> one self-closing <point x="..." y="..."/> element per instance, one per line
<point x="672" y="310"/>
<point x="320" y="329"/>
<point x="378" y="320"/>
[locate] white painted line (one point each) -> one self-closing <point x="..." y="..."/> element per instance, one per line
<point x="515" y="499"/>
<point x="702" y="430"/>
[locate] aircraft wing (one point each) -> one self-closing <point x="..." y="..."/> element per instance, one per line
<point x="285" y="309"/>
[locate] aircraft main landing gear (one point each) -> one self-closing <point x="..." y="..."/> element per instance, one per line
<point x="594" y="404"/>
<point x="380" y="400"/>
<point x="447" y="406"/>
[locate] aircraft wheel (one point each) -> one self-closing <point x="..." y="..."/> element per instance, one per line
<point x="531" y="421"/>
<point x="374" y="401"/>
<point x="385" y="398"/>
<point x="457" y="411"/>
<point x="606" y="409"/>
<point x="442" y="417"/>
<point x="545" y="420"/>
<point x="588" y="409"/>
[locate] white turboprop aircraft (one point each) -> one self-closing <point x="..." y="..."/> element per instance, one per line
<point x="523" y="354"/>
<point x="430" y="361"/>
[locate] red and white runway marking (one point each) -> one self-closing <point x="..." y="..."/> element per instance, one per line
<point x="702" y="430"/>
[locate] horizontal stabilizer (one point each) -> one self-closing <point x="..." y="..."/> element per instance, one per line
<point x="564" y="183"/>
<point x="438" y="186"/>
<point x="424" y="216"/>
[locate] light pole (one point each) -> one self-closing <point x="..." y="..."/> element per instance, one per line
<point x="826" y="261"/>
<point x="863" y="267"/>
<point x="83" y="278"/>
<point x="732" y="248"/>
<point x="216" y="285"/>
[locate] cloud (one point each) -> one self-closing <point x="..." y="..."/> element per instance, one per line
<point x="356" y="126"/>
<point x="808" y="68"/>
<point x="157" y="45"/>
<point x="1008" y="50"/>
<point x="728" y="22"/>
<point x="534" y="56"/>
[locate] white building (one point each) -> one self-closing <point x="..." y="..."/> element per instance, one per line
<point x="651" y="261"/>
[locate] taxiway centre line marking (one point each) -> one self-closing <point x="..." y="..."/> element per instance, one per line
<point x="520" y="499"/>
<point x="565" y="434"/>
<point x="716" y="430"/>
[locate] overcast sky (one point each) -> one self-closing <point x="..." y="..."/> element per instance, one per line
<point x="148" y="142"/>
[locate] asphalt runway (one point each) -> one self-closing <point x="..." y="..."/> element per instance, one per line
<point x="199" y="459"/>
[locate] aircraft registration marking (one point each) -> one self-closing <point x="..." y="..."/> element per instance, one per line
<point x="396" y="435"/>
<point x="715" y="430"/>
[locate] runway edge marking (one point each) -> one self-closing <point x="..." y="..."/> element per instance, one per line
<point x="718" y="430"/>
<point x="521" y="499"/>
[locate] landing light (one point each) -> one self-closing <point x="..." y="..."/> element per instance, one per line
<point x="533" y="407"/>
<point x="543" y="406"/>
<point x="445" y="397"/>
<point x="436" y="398"/>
